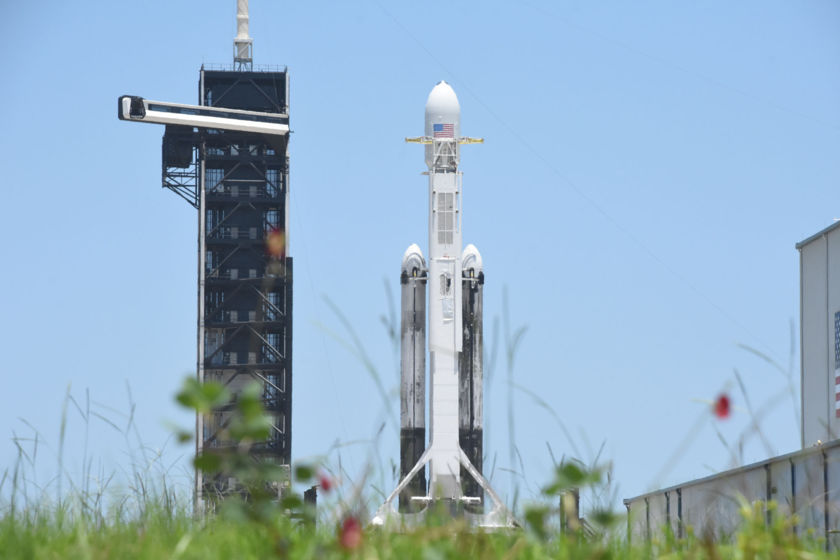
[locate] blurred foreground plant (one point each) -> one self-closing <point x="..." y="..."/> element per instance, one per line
<point x="258" y="522"/>
<point x="262" y="488"/>
<point x="562" y="495"/>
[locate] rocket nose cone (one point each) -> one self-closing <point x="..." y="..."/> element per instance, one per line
<point x="443" y="121"/>
<point x="442" y="101"/>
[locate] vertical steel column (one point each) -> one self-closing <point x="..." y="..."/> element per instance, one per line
<point x="198" y="495"/>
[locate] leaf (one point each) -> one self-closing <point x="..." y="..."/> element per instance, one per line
<point x="202" y="397"/>
<point x="249" y="402"/>
<point x="571" y="475"/>
<point x="304" y="473"/>
<point x="208" y="462"/>
<point x="234" y="510"/>
<point x="535" y="518"/>
<point x="255" y="429"/>
<point x="272" y="472"/>
<point x="291" y="502"/>
<point x="603" y="518"/>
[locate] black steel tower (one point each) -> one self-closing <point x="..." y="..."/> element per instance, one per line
<point x="227" y="156"/>
<point x="245" y="275"/>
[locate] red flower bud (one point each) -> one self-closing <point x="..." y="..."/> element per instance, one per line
<point x="722" y="407"/>
<point x="325" y="482"/>
<point x="350" y="536"/>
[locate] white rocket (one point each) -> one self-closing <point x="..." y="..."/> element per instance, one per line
<point x="454" y="280"/>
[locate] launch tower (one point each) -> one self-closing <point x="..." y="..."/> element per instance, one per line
<point x="245" y="276"/>
<point x="227" y="156"/>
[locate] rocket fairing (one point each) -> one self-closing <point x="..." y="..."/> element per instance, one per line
<point x="455" y="283"/>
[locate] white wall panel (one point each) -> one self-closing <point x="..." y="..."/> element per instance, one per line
<point x="814" y="321"/>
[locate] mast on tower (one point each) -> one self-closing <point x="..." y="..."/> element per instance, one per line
<point x="243" y="45"/>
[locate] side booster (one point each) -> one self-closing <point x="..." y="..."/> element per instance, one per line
<point x="455" y="280"/>
<point x="412" y="372"/>
<point x="470" y="373"/>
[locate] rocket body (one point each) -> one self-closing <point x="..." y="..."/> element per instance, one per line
<point x="454" y="452"/>
<point x="443" y="115"/>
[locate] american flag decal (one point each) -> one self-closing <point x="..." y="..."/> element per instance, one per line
<point x="446" y="130"/>
<point x="837" y="364"/>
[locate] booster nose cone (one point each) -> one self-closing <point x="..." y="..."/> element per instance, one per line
<point x="443" y="116"/>
<point x="413" y="263"/>
<point x="471" y="262"/>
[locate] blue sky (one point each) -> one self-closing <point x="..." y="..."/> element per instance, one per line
<point x="648" y="168"/>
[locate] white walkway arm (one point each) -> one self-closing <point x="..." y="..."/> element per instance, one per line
<point x="132" y="108"/>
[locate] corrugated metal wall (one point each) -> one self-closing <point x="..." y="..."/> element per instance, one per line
<point x="806" y="483"/>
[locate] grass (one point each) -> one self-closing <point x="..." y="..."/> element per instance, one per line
<point x="164" y="534"/>
<point x="150" y="517"/>
<point x="150" y="520"/>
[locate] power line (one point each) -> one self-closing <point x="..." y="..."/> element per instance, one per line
<point x="711" y="80"/>
<point x="577" y="190"/>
